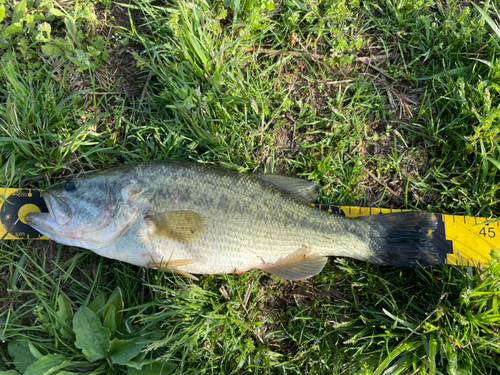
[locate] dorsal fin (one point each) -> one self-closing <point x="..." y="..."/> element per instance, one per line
<point x="305" y="191"/>
<point x="182" y="226"/>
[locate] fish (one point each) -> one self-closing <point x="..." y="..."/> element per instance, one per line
<point x="190" y="218"/>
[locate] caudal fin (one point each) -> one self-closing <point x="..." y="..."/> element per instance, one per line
<point x="405" y="239"/>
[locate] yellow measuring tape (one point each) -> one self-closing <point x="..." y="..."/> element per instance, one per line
<point x="463" y="240"/>
<point x="467" y="241"/>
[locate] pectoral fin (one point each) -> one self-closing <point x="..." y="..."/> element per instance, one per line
<point x="297" y="266"/>
<point x="171" y="266"/>
<point x="182" y="226"/>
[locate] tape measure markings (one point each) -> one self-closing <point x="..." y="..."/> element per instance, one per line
<point x="15" y="199"/>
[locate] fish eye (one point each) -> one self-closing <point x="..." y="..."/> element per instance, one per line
<point x="70" y="186"/>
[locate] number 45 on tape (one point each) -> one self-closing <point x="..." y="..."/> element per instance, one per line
<point x="490" y="233"/>
<point x="467" y="240"/>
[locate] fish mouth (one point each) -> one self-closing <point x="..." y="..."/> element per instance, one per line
<point x="57" y="224"/>
<point x="59" y="214"/>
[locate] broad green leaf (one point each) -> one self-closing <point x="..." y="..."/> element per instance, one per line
<point x="29" y="21"/>
<point x="19" y="350"/>
<point x="98" y="304"/>
<point x="66" y="45"/>
<point x="18" y="14"/>
<point x="155" y="368"/>
<point x="70" y="25"/>
<point x="34" y="350"/>
<point x="122" y="351"/>
<point x="93" y="51"/>
<point x="10" y="372"/>
<point x="2" y="12"/>
<point x="15" y="28"/>
<point x="34" y="64"/>
<point x="65" y="313"/>
<point x="51" y="50"/>
<point x="138" y="361"/>
<point x="109" y="318"/>
<point x="91" y="336"/>
<point x="115" y="300"/>
<point x="44" y="364"/>
<point x="56" y="12"/>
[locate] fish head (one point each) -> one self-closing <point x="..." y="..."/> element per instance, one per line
<point x="90" y="211"/>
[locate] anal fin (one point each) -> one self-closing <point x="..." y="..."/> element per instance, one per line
<point x="171" y="266"/>
<point x="297" y="266"/>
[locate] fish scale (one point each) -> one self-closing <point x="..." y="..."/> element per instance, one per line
<point x="196" y="219"/>
<point x="250" y="223"/>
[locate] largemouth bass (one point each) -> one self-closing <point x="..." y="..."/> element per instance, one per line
<point x="195" y="219"/>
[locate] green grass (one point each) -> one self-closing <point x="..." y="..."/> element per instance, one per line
<point x="268" y="87"/>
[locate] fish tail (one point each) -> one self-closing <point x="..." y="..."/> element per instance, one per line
<point x="405" y="239"/>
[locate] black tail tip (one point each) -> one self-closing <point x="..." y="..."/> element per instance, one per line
<point x="404" y="239"/>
